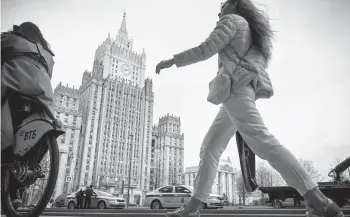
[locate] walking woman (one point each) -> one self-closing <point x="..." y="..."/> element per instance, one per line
<point x="242" y="39"/>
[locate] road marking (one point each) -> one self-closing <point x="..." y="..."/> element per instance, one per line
<point x="163" y="214"/>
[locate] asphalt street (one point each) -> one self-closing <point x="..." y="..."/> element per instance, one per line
<point x="145" y="212"/>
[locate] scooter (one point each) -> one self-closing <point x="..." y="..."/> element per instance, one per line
<point x="34" y="152"/>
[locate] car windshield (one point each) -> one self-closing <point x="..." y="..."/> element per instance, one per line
<point x="103" y="194"/>
<point x="189" y="188"/>
<point x="61" y="196"/>
<point x="72" y="194"/>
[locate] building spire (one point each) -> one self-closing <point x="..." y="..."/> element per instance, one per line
<point x="122" y="29"/>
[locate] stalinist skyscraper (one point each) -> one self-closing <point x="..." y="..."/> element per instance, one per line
<point x="116" y="103"/>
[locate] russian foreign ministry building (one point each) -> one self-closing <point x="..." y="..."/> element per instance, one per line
<point x="116" y="112"/>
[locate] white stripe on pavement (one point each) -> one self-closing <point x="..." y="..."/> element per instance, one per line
<point x="163" y="214"/>
<point x="158" y="214"/>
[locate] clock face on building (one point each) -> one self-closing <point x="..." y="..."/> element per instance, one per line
<point x="125" y="69"/>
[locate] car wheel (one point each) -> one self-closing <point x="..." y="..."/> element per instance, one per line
<point x="156" y="205"/>
<point x="277" y="204"/>
<point x="71" y="205"/>
<point x="57" y="204"/>
<point x="203" y="206"/>
<point x="101" y="205"/>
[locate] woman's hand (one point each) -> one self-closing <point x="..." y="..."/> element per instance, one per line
<point x="164" y="64"/>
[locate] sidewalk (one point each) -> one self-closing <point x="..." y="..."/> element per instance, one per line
<point x="247" y="207"/>
<point x="225" y="207"/>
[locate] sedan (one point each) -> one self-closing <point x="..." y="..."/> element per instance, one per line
<point x="175" y="196"/>
<point x="100" y="200"/>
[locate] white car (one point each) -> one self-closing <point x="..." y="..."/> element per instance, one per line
<point x="175" y="196"/>
<point x="101" y="200"/>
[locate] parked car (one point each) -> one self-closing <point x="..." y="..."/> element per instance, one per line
<point x="288" y="202"/>
<point x="174" y="196"/>
<point x="102" y="200"/>
<point x="224" y="201"/>
<point x="60" y="200"/>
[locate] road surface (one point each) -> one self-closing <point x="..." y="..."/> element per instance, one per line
<point x="145" y="212"/>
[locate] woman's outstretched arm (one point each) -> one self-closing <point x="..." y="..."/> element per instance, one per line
<point x="218" y="39"/>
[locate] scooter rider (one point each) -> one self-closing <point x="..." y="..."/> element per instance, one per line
<point x="26" y="67"/>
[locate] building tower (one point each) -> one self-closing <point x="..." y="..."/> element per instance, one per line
<point x="119" y="60"/>
<point x="66" y="104"/>
<point x="155" y="160"/>
<point x="170" y="150"/>
<point x="91" y="93"/>
<point x="117" y="112"/>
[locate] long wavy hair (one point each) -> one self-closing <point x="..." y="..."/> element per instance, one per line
<point x="32" y="32"/>
<point x="259" y="24"/>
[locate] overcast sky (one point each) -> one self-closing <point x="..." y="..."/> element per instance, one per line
<point x="310" y="111"/>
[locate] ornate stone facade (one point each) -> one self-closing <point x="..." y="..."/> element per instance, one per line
<point x="117" y="111"/>
<point x="109" y="121"/>
<point x="225" y="180"/>
<point x="66" y="109"/>
<point x="168" y="151"/>
<point x="119" y="60"/>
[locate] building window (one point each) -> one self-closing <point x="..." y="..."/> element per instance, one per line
<point x="63" y="139"/>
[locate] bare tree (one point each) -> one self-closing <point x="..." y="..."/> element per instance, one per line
<point x="310" y="168"/>
<point x="266" y="176"/>
<point x="343" y="175"/>
<point x="241" y="188"/>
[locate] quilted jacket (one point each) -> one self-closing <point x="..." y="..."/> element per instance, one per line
<point x="22" y="71"/>
<point x="232" y="40"/>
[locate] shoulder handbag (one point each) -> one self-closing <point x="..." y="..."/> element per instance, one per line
<point x="247" y="162"/>
<point x="220" y="86"/>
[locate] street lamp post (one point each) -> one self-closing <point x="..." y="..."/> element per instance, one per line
<point x="129" y="172"/>
<point x="121" y="178"/>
